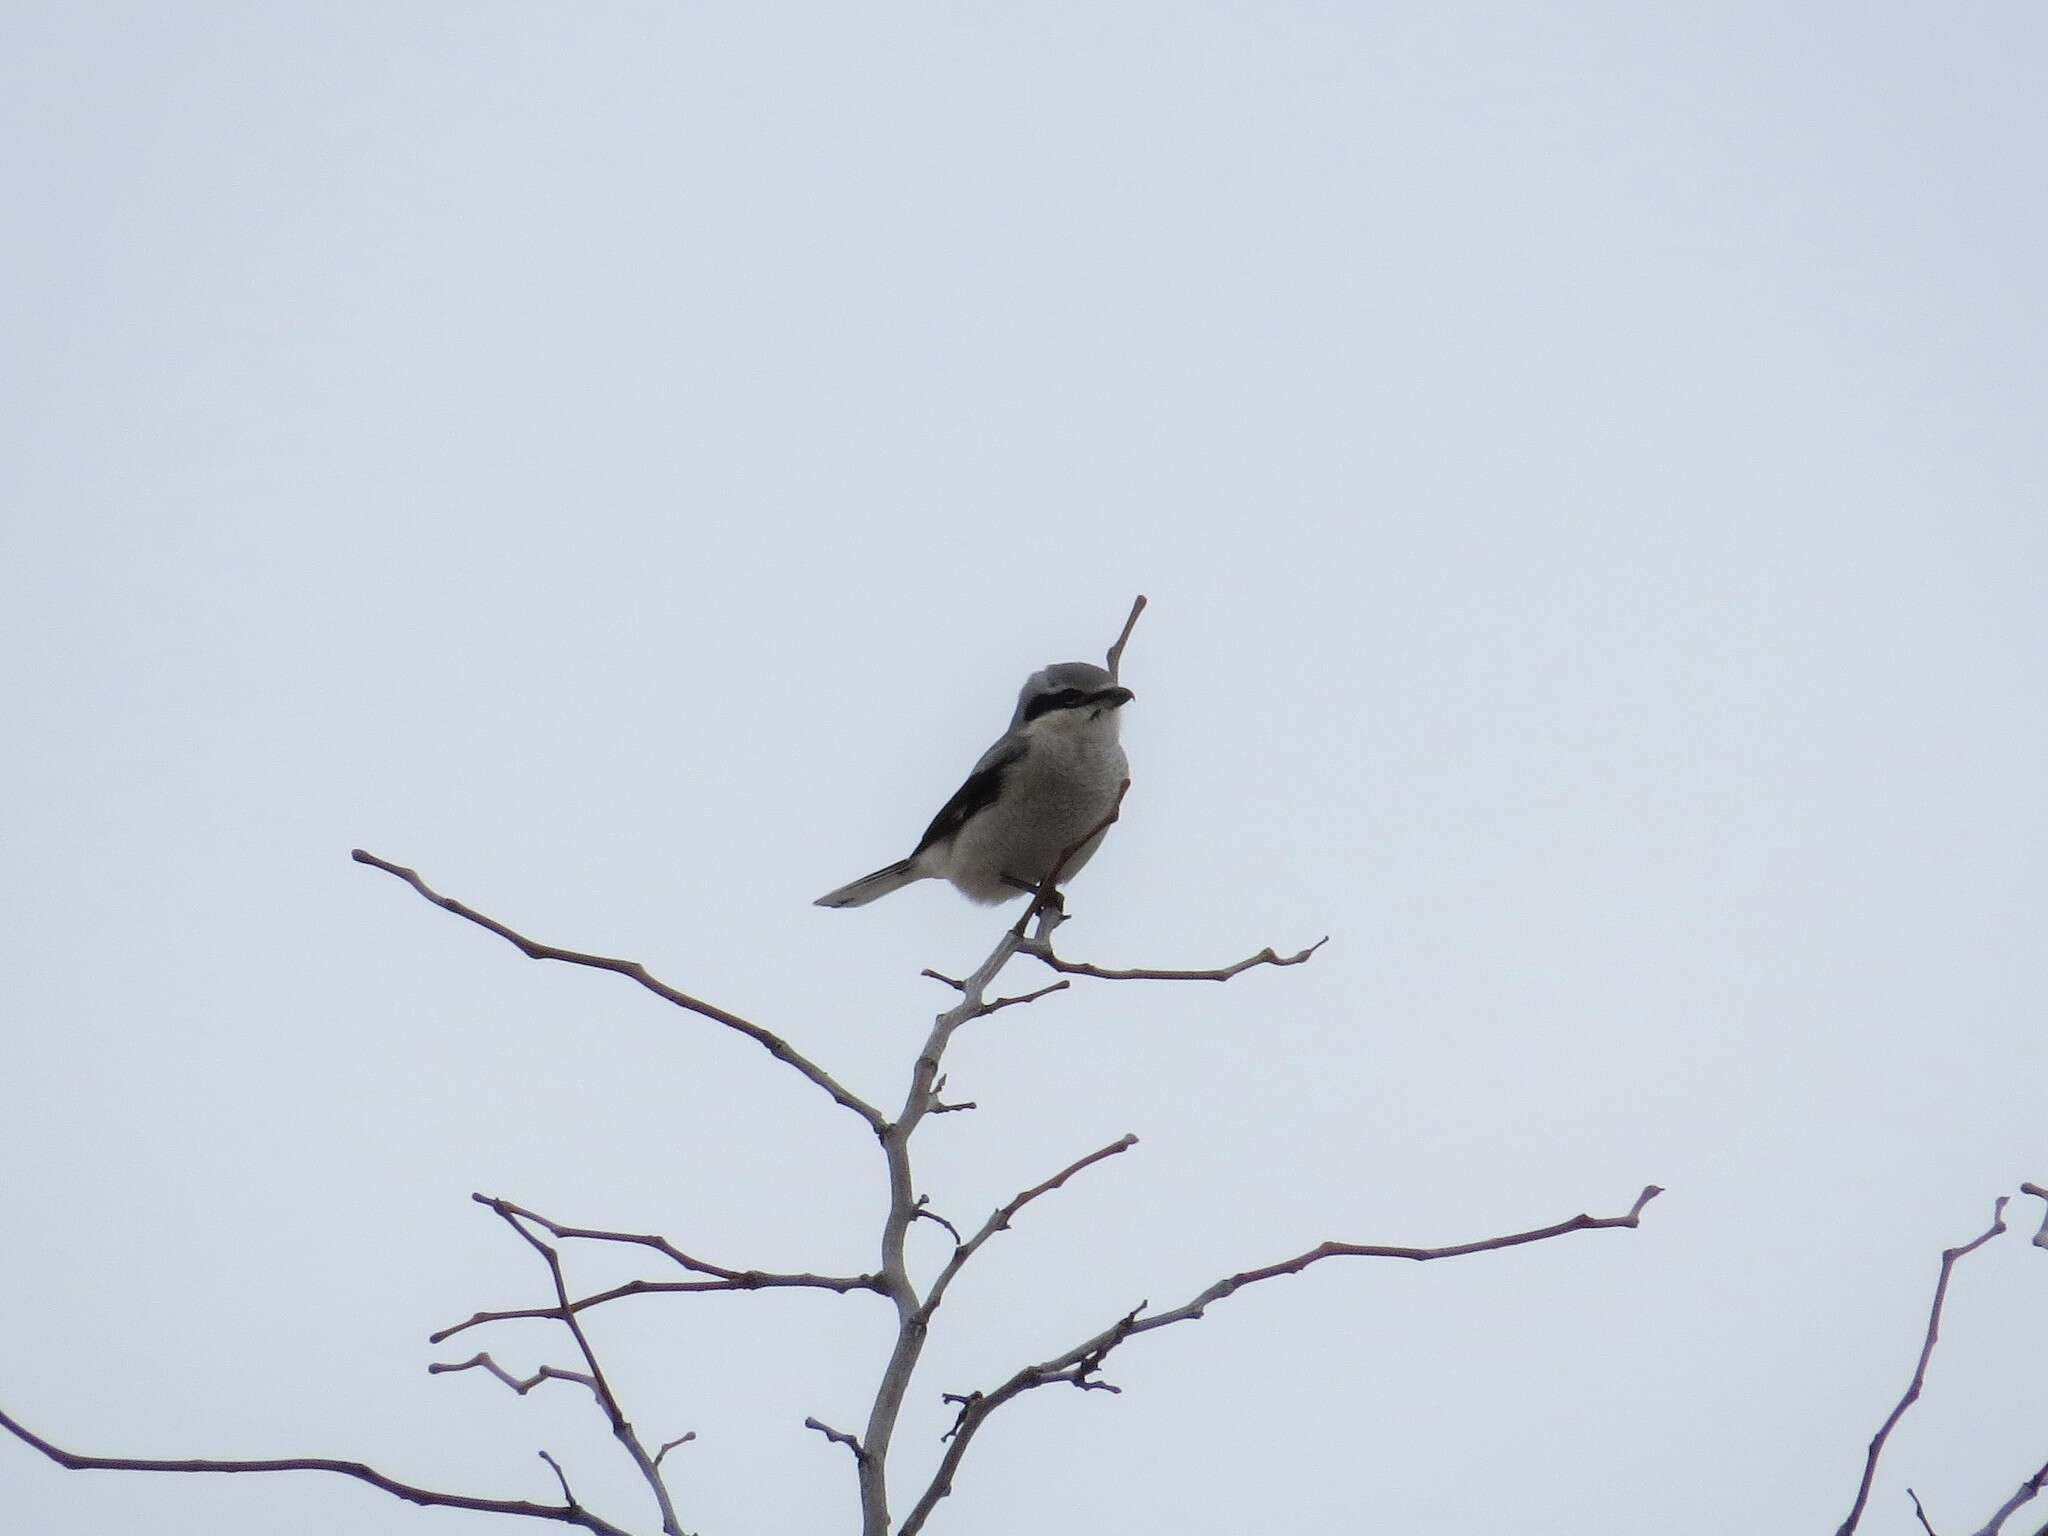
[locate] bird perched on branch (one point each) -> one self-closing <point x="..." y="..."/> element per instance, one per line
<point x="1051" y="778"/>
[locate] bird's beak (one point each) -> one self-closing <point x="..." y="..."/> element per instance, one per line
<point x="1115" y="698"/>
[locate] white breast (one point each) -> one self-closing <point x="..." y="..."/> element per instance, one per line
<point x="1066" y="783"/>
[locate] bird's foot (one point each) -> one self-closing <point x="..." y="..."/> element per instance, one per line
<point x="1051" y="900"/>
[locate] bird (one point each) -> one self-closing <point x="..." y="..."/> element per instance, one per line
<point x="1055" y="774"/>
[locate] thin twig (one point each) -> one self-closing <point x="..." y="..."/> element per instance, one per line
<point x="721" y="1278"/>
<point x="1077" y="1366"/>
<point x="774" y="1044"/>
<point x="1044" y="955"/>
<point x="564" y="1514"/>
<point x="520" y="1384"/>
<point x="1948" y="1263"/>
<point x="924" y="1212"/>
<point x="839" y="1437"/>
<point x="1920" y="1511"/>
<point x="999" y="1219"/>
<point x="561" y="1477"/>
<point x="1025" y="997"/>
<point x="743" y="1279"/>
<point x="585" y="1303"/>
<point x="683" y="1439"/>
<point x="1231" y="1284"/>
<point x="1115" y="659"/>
<point x="939" y="1106"/>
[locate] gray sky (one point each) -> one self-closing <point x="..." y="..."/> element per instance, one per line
<point x="1587" y="467"/>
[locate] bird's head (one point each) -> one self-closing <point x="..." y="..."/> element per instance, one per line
<point x="1065" y="685"/>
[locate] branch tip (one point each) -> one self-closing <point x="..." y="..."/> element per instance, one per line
<point x="1114" y="658"/>
<point x="839" y="1437"/>
<point x="2040" y="1238"/>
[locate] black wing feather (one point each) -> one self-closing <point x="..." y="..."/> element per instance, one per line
<point x="975" y="796"/>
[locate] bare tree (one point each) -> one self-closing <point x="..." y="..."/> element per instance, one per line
<point x="914" y="1300"/>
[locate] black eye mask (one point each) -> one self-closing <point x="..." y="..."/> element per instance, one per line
<point x="1046" y="703"/>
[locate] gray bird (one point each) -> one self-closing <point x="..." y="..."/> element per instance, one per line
<point x="1050" y="778"/>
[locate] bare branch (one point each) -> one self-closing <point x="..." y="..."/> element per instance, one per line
<point x="1026" y="997"/>
<point x="1948" y="1263"/>
<point x="1920" y="1512"/>
<point x="1231" y="1284"/>
<point x="560" y="1476"/>
<point x="999" y="1219"/>
<point x="683" y="1439"/>
<point x="1042" y="952"/>
<point x="570" y="1513"/>
<point x="1115" y="659"/>
<point x="2027" y="1491"/>
<point x="722" y="1279"/>
<point x="585" y="1303"/>
<point x="633" y="970"/>
<point x="924" y="1212"/>
<point x="519" y="1384"/>
<point x="622" y="1430"/>
<point x="1077" y="1366"/>
<point x="2041" y="1237"/>
<point x="938" y="1106"/>
<point x="742" y="1279"/>
<point x="839" y="1437"/>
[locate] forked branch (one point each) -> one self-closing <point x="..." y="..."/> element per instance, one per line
<point x="1078" y="1366"/>
<point x="1948" y="1263"/>
<point x="2032" y="1487"/>
<point x="622" y="1428"/>
<point x="718" y="1277"/>
<point x="1045" y="903"/>
<point x="999" y="1220"/>
<point x="2026" y="1494"/>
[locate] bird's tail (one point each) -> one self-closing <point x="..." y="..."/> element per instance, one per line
<point x="871" y="887"/>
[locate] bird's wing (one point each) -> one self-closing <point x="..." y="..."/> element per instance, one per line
<point x="977" y="794"/>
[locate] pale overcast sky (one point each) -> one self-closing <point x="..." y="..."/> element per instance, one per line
<point x="1587" y="465"/>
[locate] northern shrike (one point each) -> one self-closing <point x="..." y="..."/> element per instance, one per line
<point x="1050" y="778"/>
